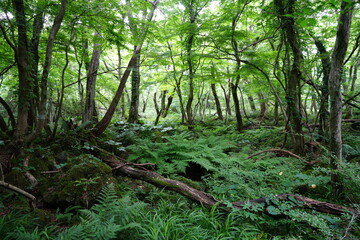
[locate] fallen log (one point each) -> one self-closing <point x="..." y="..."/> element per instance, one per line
<point x="310" y="203"/>
<point x="206" y="199"/>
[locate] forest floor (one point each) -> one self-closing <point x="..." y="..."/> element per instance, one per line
<point x="253" y="185"/>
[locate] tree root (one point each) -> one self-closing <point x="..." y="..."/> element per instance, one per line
<point x="18" y="190"/>
<point x="206" y="199"/>
<point x="32" y="179"/>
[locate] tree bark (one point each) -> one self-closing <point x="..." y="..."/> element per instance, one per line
<point x="217" y="102"/>
<point x="9" y="112"/>
<point x="262" y="106"/>
<point x="293" y="90"/>
<point x="135" y="91"/>
<point x="38" y="26"/>
<point x="227" y="98"/>
<point x="239" y="122"/>
<point x="22" y="60"/>
<point x="252" y="104"/>
<point x="337" y="60"/>
<point x="191" y="69"/>
<point x="47" y="64"/>
<point x="90" y="111"/>
<point x="324" y="102"/>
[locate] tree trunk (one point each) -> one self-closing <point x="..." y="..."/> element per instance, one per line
<point x="9" y="112"/>
<point x="262" y="106"/>
<point x="217" y="102"/>
<point x="189" y="111"/>
<point x="90" y="108"/>
<point x="103" y="124"/>
<point x="135" y="91"/>
<point x="239" y="122"/>
<point x="276" y="112"/>
<point x="227" y="99"/>
<point x="34" y="58"/>
<point x="169" y="101"/>
<point x="62" y="91"/>
<point x="337" y="60"/>
<point x="159" y="111"/>
<point x="22" y="60"/>
<point x="252" y="104"/>
<point x="324" y="102"/>
<point x="293" y="91"/>
<point x="352" y="80"/>
<point x="47" y="64"/>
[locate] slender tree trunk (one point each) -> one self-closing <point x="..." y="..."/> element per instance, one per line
<point x="276" y="112"/>
<point x="34" y="63"/>
<point x="217" y="102"/>
<point x="252" y="104"/>
<point x="239" y="122"/>
<point x="90" y="109"/>
<point x="337" y="60"/>
<point x="159" y="111"/>
<point x="22" y="60"/>
<point x="103" y="124"/>
<point x="227" y="98"/>
<point x="135" y="92"/>
<point x="262" y="106"/>
<point x="324" y="102"/>
<point x="9" y="112"/>
<point x="189" y="111"/>
<point x="293" y="90"/>
<point x="169" y="102"/>
<point x="352" y="89"/>
<point x="47" y="64"/>
<point x="3" y="125"/>
<point x="62" y="91"/>
<point x="234" y="86"/>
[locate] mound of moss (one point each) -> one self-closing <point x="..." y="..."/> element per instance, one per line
<point x="78" y="183"/>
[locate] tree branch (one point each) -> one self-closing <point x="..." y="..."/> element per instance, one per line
<point x="18" y="190"/>
<point x="11" y="44"/>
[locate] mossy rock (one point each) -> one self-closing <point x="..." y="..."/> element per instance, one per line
<point x="79" y="182"/>
<point x="17" y="178"/>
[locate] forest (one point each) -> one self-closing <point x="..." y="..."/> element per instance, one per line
<point x="179" y="119"/>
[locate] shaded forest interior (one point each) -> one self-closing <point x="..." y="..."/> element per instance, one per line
<point x="187" y="119"/>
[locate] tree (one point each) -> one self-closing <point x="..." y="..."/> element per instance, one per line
<point x="285" y="11"/>
<point x="90" y="108"/>
<point x="26" y="58"/>
<point x="337" y="61"/>
<point x="103" y="124"/>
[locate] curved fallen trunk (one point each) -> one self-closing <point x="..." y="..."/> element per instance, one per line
<point x="208" y="200"/>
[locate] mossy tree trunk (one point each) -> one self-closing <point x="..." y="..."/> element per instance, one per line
<point x="337" y="60"/>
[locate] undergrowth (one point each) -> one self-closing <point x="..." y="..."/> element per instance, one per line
<point x="230" y="174"/>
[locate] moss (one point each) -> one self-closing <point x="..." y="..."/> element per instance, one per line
<point x="17" y="178"/>
<point x="79" y="182"/>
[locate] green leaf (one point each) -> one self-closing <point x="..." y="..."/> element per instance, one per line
<point x="273" y="210"/>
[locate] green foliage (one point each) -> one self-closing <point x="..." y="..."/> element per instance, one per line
<point x="177" y="151"/>
<point x="85" y="176"/>
<point x="177" y="221"/>
<point x="106" y="219"/>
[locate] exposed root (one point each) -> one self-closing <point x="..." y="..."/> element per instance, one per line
<point x="18" y="190"/>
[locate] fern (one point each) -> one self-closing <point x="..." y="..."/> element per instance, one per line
<point x="175" y="154"/>
<point x="106" y="219"/>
